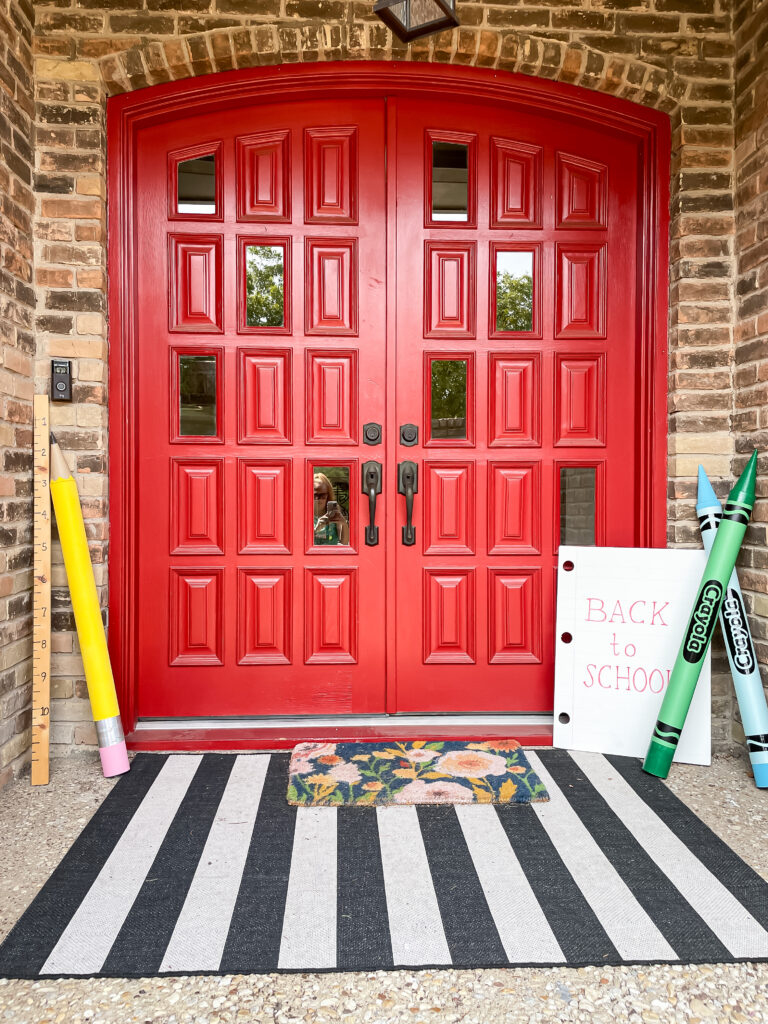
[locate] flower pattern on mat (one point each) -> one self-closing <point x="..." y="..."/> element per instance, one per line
<point x="412" y="772"/>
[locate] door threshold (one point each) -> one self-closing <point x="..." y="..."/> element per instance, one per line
<point x="282" y="733"/>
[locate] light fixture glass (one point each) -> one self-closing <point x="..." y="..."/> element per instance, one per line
<point x="409" y="19"/>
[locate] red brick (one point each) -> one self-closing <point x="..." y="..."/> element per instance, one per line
<point x="54" y="278"/>
<point x="79" y="209"/>
<point x="91" y="279"/>
<point x="89" y="233"/>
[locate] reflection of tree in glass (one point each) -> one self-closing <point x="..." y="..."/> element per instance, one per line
<point x="264" y="285"/>
<point x="449" y="388"/>
<point x="449" y="398"/>
<point x="514" y="302"/>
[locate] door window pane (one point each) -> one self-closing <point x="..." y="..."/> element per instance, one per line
<point x="450" y="181"/>
<point x="577" y="505"/>
<point x="197" y="396"/>
<point x="449" y="399"/>
<point x="330" y="504"/>
<point x="264" y="285"/>
<point x="196" y="185"/>
<point x="514" y="291"/>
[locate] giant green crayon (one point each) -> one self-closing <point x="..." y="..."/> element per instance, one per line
<point x="698" y="633"/>
<point x="738" y="643"/>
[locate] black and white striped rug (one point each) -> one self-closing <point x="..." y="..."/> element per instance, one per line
<point x="197" y="864"/>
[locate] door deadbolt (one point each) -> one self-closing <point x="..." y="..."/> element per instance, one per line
<point x="372" y="433"/>
<point x="409" y="434"/>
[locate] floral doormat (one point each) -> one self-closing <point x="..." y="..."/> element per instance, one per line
<point x="413" y="772"/>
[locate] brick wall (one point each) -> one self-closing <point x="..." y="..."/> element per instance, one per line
<point x="17" y="301"/>
<point x="675" y="55"/>
<point x="70" y="274"/>
<point x="750" y="420"/>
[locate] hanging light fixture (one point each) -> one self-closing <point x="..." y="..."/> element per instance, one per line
<point x="409" y="19"/>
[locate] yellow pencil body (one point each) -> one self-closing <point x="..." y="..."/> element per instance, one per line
<point x="85" y="604"/>
<point x="85" y="599"/>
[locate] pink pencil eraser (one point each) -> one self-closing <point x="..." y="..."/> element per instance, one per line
<point x="114" y="759"/>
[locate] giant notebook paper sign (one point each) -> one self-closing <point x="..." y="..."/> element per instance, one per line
<point x="620" y="615"/>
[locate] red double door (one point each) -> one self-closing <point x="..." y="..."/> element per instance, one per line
<point x="426" y="308"/>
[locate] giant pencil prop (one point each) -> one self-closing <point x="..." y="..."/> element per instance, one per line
<point x="85" y="604"/>
<point x="738" y="643"/>
<point x="701" y="624"/>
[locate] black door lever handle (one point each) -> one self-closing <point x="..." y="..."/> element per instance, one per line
<point x="372" y="487"/>
<point x="408" y="484"/>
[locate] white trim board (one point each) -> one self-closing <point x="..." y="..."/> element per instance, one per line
<point x="343" y="721"/>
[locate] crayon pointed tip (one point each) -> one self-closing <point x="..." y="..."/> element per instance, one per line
<point x="54" y="441"/>
<point x="705" y="497"/>
<point x="744" y="489"/>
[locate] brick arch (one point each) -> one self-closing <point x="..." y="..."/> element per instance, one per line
<point x="227" y="49"/>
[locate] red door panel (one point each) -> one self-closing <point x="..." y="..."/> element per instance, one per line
<point x="261" y="344"/>
<point x="529" y="397"/>
<point x="495" y="292"/>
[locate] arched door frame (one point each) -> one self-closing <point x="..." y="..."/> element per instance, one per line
<point x="129" y="113"/>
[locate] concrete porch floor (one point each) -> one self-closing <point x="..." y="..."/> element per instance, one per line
<point x="38" y="826"/>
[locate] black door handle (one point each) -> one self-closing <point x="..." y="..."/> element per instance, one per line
<point x="372" y="487"/>
<point x="408" y="484"/>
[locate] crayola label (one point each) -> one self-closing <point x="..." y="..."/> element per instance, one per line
<point x="736" y="514"/>
<point x="702" y="621"/>
<point x="666" y="733"/>
<point x="737" y="634"/>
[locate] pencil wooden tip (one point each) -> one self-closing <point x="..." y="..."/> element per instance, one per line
<point x="59" y="467"/>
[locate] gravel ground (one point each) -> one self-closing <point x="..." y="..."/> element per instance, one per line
<point x="40" y="824"/>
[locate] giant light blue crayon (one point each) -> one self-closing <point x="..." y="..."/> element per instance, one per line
<point x="701" y="625"/>
<point x="738" y="643"/>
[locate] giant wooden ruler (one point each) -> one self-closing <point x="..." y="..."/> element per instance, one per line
<point x="41" y="634"/>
